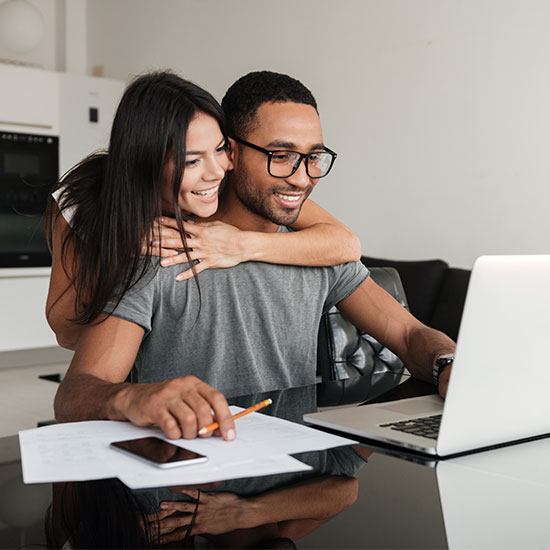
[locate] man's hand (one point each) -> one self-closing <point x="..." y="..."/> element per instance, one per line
<point x="94" y="387"/>
<point x="180" y="407"/>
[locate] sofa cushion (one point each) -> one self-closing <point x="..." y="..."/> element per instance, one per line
<point x="448" y="310"/>
<point x="421" y="280"/>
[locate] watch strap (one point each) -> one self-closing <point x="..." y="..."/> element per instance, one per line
<point x="439" y="364"/>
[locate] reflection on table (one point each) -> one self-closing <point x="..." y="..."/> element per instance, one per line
<point x="493" y="499"/>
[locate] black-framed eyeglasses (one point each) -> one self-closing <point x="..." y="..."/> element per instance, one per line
<point x="283" y="163"/>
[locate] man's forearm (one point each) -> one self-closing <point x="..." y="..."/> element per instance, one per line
<point x="424" y="345"/>
<point x="317" y="499"/>
<point x="87" y="397"/>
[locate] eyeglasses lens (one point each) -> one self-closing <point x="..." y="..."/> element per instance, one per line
<point x="318" y="164"/>
<point x="285" y="163"/>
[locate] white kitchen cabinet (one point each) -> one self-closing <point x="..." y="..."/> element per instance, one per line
<point x="29" y="100"/>
<point x="79" y="136"/>
<point x="48" y="103"/>
<point x="23" y="322"/>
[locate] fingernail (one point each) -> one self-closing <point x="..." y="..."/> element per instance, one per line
<point x="230" y="435"/>
<point x="162" y="219"/>
<point x="164" y="505"/>
<point x="164" y="263"/>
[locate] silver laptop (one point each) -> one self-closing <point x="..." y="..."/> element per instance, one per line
<point x="500" y="382"/>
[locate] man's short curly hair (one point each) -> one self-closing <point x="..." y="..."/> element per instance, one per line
<point x="248" y="93"/>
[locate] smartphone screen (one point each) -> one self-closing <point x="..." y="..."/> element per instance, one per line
<point x="159" y="452"/>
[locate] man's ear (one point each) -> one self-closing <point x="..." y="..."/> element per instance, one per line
<point x="231" y="153"/>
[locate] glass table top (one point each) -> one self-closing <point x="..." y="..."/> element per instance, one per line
<point x="359" y="496"/>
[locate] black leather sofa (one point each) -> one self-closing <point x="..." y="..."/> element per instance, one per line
<point x="435" y="291"/>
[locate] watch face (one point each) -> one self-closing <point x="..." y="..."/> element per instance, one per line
<point x="445" y="359"/>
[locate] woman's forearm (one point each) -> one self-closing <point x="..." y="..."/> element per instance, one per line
<point x="319" y="240"/>
<point x="61" y="301"/>
<point x="321" y="244"/>
<point x="59" y="317"/>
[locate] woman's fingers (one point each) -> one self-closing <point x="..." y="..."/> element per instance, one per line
<point x="214" y="244"/>
<point x="171" y="223"/>
<point x="155" y="517"/>
<point x="175" y="521"/>
<point x="188" y="273"/>
<point x="174" y="536"/>
<point x="172" y="241"/>
<point x="165" y="240"/>
<point x="181" y="258"/>
<point x="172" y="506"/>
<point x="166" y="221"/>
<point x="164" y="252"/>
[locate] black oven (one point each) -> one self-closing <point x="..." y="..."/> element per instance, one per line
<point x="29" y="167"/>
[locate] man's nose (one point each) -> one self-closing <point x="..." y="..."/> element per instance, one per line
<point x="300" y="177"/>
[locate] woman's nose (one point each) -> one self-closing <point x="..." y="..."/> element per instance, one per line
<point x="215" y="169"/>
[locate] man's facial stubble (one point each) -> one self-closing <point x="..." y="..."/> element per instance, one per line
<point x="261" y="201"/>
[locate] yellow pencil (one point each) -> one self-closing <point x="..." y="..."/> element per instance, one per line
<point x="256" y="407"/>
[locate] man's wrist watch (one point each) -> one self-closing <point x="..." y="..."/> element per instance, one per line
<point x="440" y="363"/>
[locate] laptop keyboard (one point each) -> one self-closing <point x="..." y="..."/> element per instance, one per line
<point x="427" y="426"/>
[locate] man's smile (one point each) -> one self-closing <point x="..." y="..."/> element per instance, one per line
<point x="291" y="199"/>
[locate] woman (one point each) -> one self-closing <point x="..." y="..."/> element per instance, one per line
<point x="167" y="156"/>
<point x="105" y="218"/>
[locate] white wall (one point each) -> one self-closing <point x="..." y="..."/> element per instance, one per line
<point x="438" y="109"/>
<point x="44" y="54"/>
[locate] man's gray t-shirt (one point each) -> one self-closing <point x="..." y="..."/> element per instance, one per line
<point x="254" y="327"/>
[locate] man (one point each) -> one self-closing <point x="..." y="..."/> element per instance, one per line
<point x="251" y="328"/>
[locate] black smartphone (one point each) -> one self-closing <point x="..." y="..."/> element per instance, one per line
<point x="159" y="452"/>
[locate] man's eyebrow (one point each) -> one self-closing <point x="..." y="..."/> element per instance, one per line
<point x="292" y="146"/>
<point x="222" y="142"/>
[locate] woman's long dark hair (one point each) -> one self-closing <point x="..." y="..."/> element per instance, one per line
<point x="117" y="194"/>
<point x="100" y="514"/>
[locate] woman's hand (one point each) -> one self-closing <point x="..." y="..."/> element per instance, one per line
<point x="164" y="234"/>
<point x="218" y="513"/>
<point x="213" y="244"/>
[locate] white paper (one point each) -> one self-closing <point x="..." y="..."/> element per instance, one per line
<point x="260" y="435"/>
<point x="80" y="451"/>
<point x="151" y="476"/>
